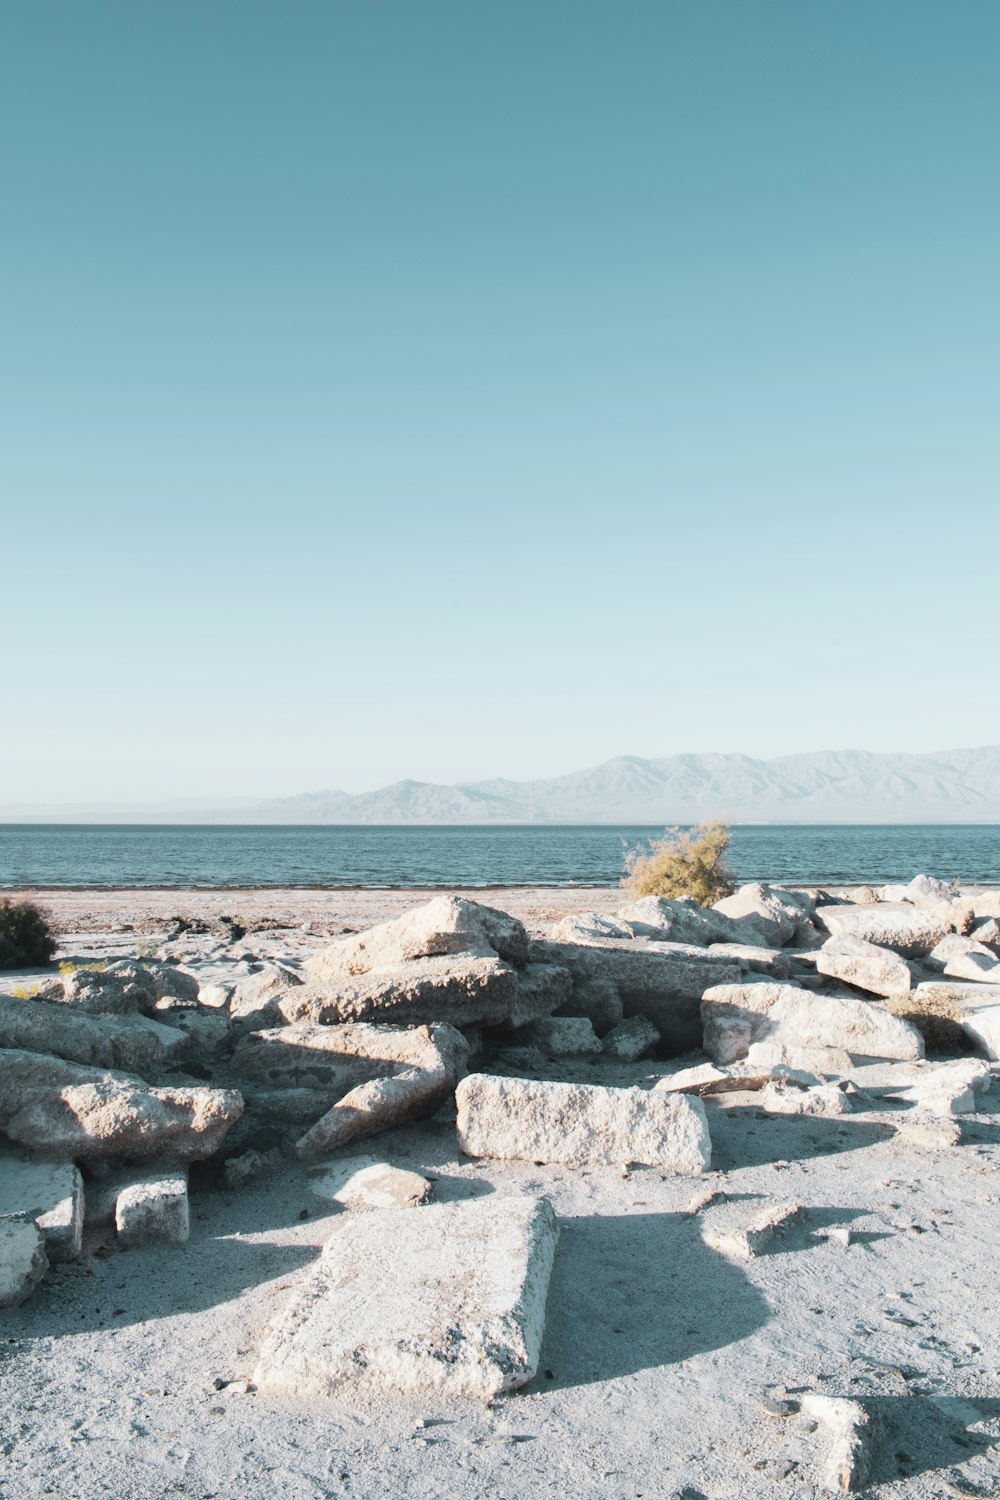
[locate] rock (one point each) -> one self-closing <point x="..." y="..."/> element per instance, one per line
<point x="600" y="1002"/>
<point x="301" y="1055"/>
<point x="651" y="979"/>
<point x="63" y="1109"/>
<point x="297" y="1107"/>
<point x="444" y="927"/>
<point x="828" y="1061"/>
<point x="461" y="990"/>
<point x="216" y="996"/>
<point x="631" y="1039"/>
<point x="987" y="932"/>
<point x="949" y="1089"/>
<point x="771" y="961"/>
<point x="848" y="1433"/>
<point x="566" y="1036"/>
<point x="207" y="1031"/>
<point x="154" y="1211"/>
<point x="773" y="911"/>
<point x="255" y="1000"/>
<point x="757" y="1236"/>
<point x="926" y="890"/>
<point x="119" y="989"/>
<point x="929" y="1133"/>
<point x="780" y="1098"/>
<point x="523" y="1119"/>
<point x="132" y="1042"/>
<point x="863" y="964"/>
<point x="50" y="1193"/>
<point x="906" y="929"/>
<point x="23" y="1261"/>
<point x="736" y="1016"/>
<point x="410" y="1074"/>
<point x="364" y="1182"/>
<point x="541" y="990"/>
<point x="963" y="958"/>
<point x="703" y="1078"/>
<point x="172" y="983"/>
<point x="450" y="1299"/>
<point x="982" y="1027"/>
<point x="590" y="927"/>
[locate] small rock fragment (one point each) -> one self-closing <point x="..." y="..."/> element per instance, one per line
<point x="847" y="1428"/>
<point x="154" y="1211"/>
<point x="756" y="1237"/>
<point x="23" y="1261"/>
<point x="364" y="1182"/>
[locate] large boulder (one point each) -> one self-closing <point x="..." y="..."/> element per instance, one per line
<point x="447" y="1298"/>
<point x="129" y="1041"/>
<point x="66" y="1110"/>
<point x="51" y="1194"/>
<point x="443" y="927"/>
<point x="777" y="913"/>
<point x="23" y="1261"/>
<point x="735" y="1016"/>
<point x="684" y="920"/>
<point x="462" y="990"/>
<point x="909" y="930"/>
<point x="661" y="981"/>
<point x="963" y="958"/>
<point x="406" y="1074"/>
<point x="521" y="1119"/>
<point x="112" y="989"/>
<point x="865" y="965"/>
<point x="340" y="1057"/>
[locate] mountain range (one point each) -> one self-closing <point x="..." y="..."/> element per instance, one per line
<point x="834" y="786"/>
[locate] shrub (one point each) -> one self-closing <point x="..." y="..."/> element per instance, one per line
<point x="25" y="938"/>
<point x="685" y="862"/>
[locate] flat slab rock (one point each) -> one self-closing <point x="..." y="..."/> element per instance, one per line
<point x="23" y="1261"/>
<point x="50" y="1193"/>
<point x="360" y="1182"/>
<point x="450" y="1299"/>
<point x="522" y="1119"/>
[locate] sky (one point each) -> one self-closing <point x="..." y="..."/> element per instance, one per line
<point x="462" y="389"/>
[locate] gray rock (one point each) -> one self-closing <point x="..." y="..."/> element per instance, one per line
<point x="775" y="912"/>
<point x="50" y="1193"/>
<point x="153" y="1211"/>
<point x="908" y="930"/>
<point x="463" y="991"/>
<point x="541" y="990"/>
<point x="771" y="961"/>
<point x="759" y="1233"/>
<point x="847" y="1428"/>
<point x="964" y="958"/>
<point x="631" y="1039"/>
<point x="363" y="1182"/>
<point x="735" y="1016"/>
<point x="566" y="1036"/>
<point x="447" y="926"/>
<point x="865" y="965"/>
<point x="23" y="1261"/>
<point x="133" y="1042"/>
<point x="66" y="1110"/>
<point x="450" y="1299"/>
<point x="255" y="999"/>
<point x="523" y="1119"/>
<point x="121" y="988"/>
<point x="599" y="1001"/>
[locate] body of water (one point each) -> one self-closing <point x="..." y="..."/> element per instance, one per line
<point x="242" y="855"/>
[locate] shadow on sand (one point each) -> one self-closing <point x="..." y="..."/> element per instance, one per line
<point x="634" y="1291"/>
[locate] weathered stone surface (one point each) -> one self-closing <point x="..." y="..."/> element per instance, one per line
<point x="447" y="926"/>
<point x="410" y="1073"/>
<point x="462" y="990"/>
<point x="863" y="964"/>
<point x="651" y="979"/>
<point x="771" y="910"/>
<point x="449" y="1299"/>
<point x="736" y="1016"/>
<point x="255" y="1000"/>
<point x="63" y="1109"/>
<point x="339" y="1057"/>
<point x="771" y="961"/>
<point x="23" y="1261"/>
<point x="541" y="990"/>
<point x="922" y="890"/>
<point x="631" y="1039"/>
<point x="361" y="1182"/>
<point x="590" y="927"/>
<point x="785" y="1098"/>
<point x="566" y="1036"/>
<point x="599" y="1000"/>
<point x="825" y="1061"/>
<point x="964" y="958"/>
<point x="987" y="932"/>
<point x="216" y="996"/>
<point x="744" y="1241"/>
<point x="949" y="1089"/>
<point x="703" y="1078"/>
<point x="120" y="988"/>
<point x="50" y="1193"/>
<point x="133" y="1042"/>
<point x="908" y="930"/>
<point x="171" y="982"/>
<point x="523" y="1120"/>
<point x="154" y="1211"/>
<point x="684" y="920"/>
<point x="207" y="1031"/>
<point x="847" y="1428"/>
<point x="982" y="1027"/>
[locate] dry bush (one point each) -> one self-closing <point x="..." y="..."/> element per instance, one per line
<point x="25" y="939"/>
<point x="685" y="862"/>
<point x="937" y="1020"/>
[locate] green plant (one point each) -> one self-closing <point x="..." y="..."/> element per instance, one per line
<point x="685" y="862"/>
<point x="25" y="937"/>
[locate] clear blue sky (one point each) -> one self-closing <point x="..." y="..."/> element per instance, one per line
<point x="453" y="389"/>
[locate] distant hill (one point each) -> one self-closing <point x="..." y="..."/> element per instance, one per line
<point x="834" y="786"/>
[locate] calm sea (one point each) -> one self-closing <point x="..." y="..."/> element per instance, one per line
<point x="155" y="855"/>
